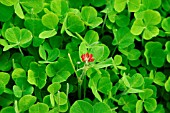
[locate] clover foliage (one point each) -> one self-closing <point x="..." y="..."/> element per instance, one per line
<point x="84" y="56"/>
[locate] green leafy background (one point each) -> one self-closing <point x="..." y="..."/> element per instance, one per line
<point x="129" y="40"/>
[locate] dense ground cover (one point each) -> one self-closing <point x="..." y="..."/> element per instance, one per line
<point x="84" y="56"/>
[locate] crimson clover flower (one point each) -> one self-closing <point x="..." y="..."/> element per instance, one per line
<point x="87" y="57"/>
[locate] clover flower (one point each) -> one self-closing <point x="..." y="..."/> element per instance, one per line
<point x="87" y="57"/>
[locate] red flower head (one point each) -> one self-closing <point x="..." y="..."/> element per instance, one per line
<point x="87" y="57"/>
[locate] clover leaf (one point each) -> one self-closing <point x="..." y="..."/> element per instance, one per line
<point x="159" y="78"/>
<point x="6" y="63"/>
<point x="100" y="52"/>
<point x="168" y="50"/>
<point x="122" y="20"/>
<point x="39" y="108"/>
<point x="25" y="102"/>
<point x="72" y="23"/>
<point x="34" y="25"/>
<point x="9" y="2"/>
<point x="165" y="24"/>
<point x="22" y="87"/>
<point x="4" y="79"/>
<point x="32" y="6"/>
<point x="17" y="38"/>
<point x="123" y="38"/>
<point x="91" y="37"/>
<point x="85" y="107"/>
<point x="25" y="62"/>
<point x="9" y="12"/>
<point x="98" y="3"/>
<point x="74" y="4"/>
<point x="133" y="5"/>
<point x="104" y="85"/>
<point x="136" y="80"/>
<point x="59" y="70"/>
<point x="18" y="10"/>
<point x="154" y="4"/>
<point x="94" y="78"/>
<point x="154" y="53"/>
<point x="167" y="85"/>
<point x="101" y="107"/>
<point x="128" y="102"/>
<point x="54" y="87"/>
<point x="37" y="75"/>
<point x="132" y="54"/>
<point x="150" y="104"/>
<point x="50" y="20"/>
<point x="8" y="109"/>
<point x="60" y="7"/>
<point x="52" y="54"/>
<point x="165" y="5"/>
<point x="61" y="98"/>
<point x="89" y="16"/>
<point x="147" y="24"/>
<point x="81" y="106"/>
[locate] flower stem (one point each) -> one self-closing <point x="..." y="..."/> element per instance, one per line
<point x="20" y="50"/>
<point x="84" y="83"/>
<point x="81" y="38"/>
<point x="79" y="88"/>
<point x="16" y="106"/>
<point x="104" y="22"/>
<point x="72" y="65"/>
<point x="78" y="78"/>
<point x="58" y="101"/>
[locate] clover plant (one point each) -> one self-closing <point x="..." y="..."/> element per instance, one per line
<point x="84" y="56"/>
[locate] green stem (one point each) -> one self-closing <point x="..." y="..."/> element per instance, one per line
<point x="114" y="99"/>
<point x="72" y="65"/>
<point x="21" y="51"/>
<point x="84" y="83"/>
<point x="114" y="51"/>
<point x="129" y="14"/>
<point x="81" y="38"/>
<point x="16" y="106"/>
<point x="79" y="88"/>
<point x="83" y="78"/>
<point x="78" y="78"/>
<point x="104" y="22"/>
<point x="67" y="90"/>
<point x="58" y="101"/>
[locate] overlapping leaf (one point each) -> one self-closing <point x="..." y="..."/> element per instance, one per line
<point x="4" y="79"/>
<point x="37" y="75"/>
<point x="154" y="53"/>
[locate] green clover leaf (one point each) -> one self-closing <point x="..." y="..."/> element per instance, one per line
<point x="147" y="24"/>
<point x="81" y="106"/>
<point x="8" y="12"/>
<point x="123" y="38"/>
<point x="133" y="5"/>
<point x="39" y="108"/>
<point x="151" y="4"/>
<point x="89" y="16"/>
<point x="17" y="38"/>
<point x="32" y="6"/>
<point x="4" y="79"/>
<point x="37" y="75"/>
<point x="165" y="25"/>
<point x="25" y="102"/>
<point x="154" y="53"/>
<point x="60" y="7"/>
